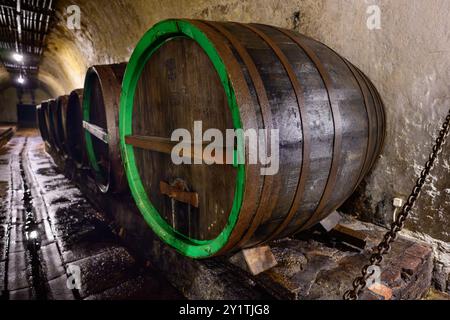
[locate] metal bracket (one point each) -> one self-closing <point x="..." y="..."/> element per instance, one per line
<point x="178" y="192"/>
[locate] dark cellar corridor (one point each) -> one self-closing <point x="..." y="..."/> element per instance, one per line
<point x="71" y="233"/>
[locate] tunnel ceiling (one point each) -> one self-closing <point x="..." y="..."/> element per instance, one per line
<point x="24" y="25"/>
<point x="70" y="52"/>
<point x="110" y="30"/>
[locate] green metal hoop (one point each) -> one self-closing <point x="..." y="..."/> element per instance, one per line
<point x="92" y="158"/>
<point x="148" y="45"/>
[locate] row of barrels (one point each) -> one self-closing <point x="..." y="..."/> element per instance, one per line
<point x="329" y="116"/>
<point x="88" y="135"/>
<point x="60" y="125"/>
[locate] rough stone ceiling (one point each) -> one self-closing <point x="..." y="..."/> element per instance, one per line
<point x="110" y="30"/>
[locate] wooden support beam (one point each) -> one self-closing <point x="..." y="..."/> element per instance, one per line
<point x="355" y="238"/>
<point x="255" y="260"/>
<point x="165" y="145"/>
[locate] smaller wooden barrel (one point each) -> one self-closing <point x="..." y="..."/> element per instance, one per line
<point x="55" y="125"/>
<point x="101" y="101"/>
<point x="49" y="121"/>
<point x="42" y="124"/>
<point x="73" y="129"/>
<point x="60" y="123"/>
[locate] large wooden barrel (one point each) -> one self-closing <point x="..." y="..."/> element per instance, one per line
<point x="101" y="101"/>
<point x="73" y="129"/>
<point x="244" y="76"/>
<point x="60" y="123"/>
<point x="42" y="124"/>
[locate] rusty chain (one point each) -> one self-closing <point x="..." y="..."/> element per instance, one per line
<point x="385" y="246"/>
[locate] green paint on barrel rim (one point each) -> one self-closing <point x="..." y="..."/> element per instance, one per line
<point x="92" y="158"/>
<point x="148" y="45"/>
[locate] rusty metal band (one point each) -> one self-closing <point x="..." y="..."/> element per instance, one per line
<point x="266" y="203"/>
<point x="379" y="118"/>
<point x="370" y="140"/>
<point x="380" y="108"/>
<point x="248" y="116"/>
<point x="337" y="121"/>
<point x="306" y="148"/>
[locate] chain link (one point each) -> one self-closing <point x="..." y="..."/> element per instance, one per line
<point x="385" y="246"/>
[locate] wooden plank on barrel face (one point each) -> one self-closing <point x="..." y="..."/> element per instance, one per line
<point x="166" y="145"/>
<point x="178" y="86"/>
<point x="96" y="131"/>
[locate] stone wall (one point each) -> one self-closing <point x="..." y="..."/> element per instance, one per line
<point x="8" y="103"/>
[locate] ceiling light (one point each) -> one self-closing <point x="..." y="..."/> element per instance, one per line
<point x="33" y="235"/>
<point x="18" y="57"/>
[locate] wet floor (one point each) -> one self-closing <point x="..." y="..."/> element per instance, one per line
<point x="54" y="244"/>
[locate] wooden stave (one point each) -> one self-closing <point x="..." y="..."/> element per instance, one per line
<point x="259" y="240"/>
